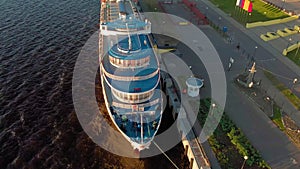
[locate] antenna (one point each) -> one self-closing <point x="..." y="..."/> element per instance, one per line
<point x="129" y="39"/>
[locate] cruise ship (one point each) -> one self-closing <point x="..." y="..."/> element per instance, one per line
<point x="130" y="73"/>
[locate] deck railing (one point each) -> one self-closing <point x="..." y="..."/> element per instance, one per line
<point x="128" y="106"/>
<point x="129" y="78"/>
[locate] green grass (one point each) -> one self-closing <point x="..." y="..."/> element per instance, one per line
<point x="283" y="89"/>
<point x="274" y="81"/>
<point x="151" y="6"/>
<point x="294" y="56"/>
<point x="229" y="143"/>
<point x="292" y="97"/>
<point x="261" y="11"/>
<point x="277" y="117"/>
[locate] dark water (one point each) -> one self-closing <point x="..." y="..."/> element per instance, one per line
<point x="39" y="43"/>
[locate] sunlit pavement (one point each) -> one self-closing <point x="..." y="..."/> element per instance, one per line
<point x="274" y="145"/>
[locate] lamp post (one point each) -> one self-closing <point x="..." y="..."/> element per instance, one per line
<point x="245" y="159"/>
<point x="289" y="41"/>
<point x="294" y="82"/>
<point x="163" y="24"/>
<point x="247" y="17"/>
<point x="283" y="2"/>
<point x="219" y="22"/>
<point x="297" y="50"/>
<point x="213" y="105"/>
<point x="206" y="11"/>
<point x="253" y="57"/>
<point x="255" y="48"/>
<point x="213" y="108"/>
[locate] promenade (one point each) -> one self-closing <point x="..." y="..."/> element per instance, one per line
<point x="268" y="56"/>
<point x="275" y="146"/>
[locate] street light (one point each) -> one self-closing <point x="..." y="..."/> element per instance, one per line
<point x="253" y="57"/>
<point x="255" y="48"/>
<point x="219" y="22"/>
<point x="245" y="159"/>
<point x="213" y="107"/>
<point x="283" y="1"/>
<point x="206" y="14"/>
<point x="294" y="82"/>
<point x="289" y="41"/>
<point x="297" y="50"/>
<point x="163" y="24"/>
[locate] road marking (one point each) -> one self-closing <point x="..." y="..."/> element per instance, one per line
<point x="266" y="60"/>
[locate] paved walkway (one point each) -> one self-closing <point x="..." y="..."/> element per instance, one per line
<point x="282" y="42"/>
<point x="169" y="64"/>
<point x="256" y="125"/>
<point x="178" y="69"/>
<point x="266" y="55"/>
<point x="274" y="145"/>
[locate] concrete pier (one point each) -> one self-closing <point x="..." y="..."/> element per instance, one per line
<point x="179" y="105"/>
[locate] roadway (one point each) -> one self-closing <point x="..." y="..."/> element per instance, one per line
<point x="267" y="55"/>
<point x="274" y="146"/>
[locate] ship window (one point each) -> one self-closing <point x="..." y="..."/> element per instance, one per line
<point x="135" y="97"/>
<point x="143" y="96"/>
<point x="144" y="60"/>
<point x="132" y="62"/>
<point x="128" y="63"/>
<point x="138" y="62"/>
<point x="147" y="59"/>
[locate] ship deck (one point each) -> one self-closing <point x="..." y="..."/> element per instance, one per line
<point x="145" y="51"/>
<point x="137" y="122"/>
<point x="139" y="126"/>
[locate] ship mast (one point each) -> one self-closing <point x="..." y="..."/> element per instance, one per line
<point x="129" y="38"/>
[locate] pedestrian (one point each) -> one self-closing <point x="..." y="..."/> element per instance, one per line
<point x="238" y="46"/>
<point x="231" y="60"/>
<point x="229" y="66"/>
